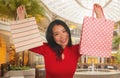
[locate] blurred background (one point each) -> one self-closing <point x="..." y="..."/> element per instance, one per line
<point x="45" y="11"/>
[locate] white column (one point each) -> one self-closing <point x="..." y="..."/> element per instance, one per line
<point x="86" y="59"/>
<point x="102" y="59"/>
<point x="98" y="60"/>
<point x="82" y="57"/>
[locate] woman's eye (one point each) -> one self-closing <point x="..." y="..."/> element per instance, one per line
<point x="64" y="31"/>
<point x="55" y="34"/>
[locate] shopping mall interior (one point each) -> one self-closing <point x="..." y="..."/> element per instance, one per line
<point x="19" y="62"/>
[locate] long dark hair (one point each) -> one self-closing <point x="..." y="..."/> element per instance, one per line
<point x="49" y="37"/>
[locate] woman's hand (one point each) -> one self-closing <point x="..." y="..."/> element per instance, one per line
<point x="21" y="12"/>
<point x="98" y="11"/>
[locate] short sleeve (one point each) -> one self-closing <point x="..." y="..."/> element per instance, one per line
<point x="40" y="49"/>
<point x="76" y="48"/>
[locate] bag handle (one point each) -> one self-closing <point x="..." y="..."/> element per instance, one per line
<point x="93" y="11"/>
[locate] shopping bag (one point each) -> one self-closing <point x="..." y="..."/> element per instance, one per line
<point x="25" y="34"/>
<point x="4" y="26"/>
<point x="96" y="37"/>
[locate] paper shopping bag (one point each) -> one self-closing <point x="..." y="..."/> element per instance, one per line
<point x="96" y="38"/>
<point x="25" y="34"/>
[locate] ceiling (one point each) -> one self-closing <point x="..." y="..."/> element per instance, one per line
<point x="75" y="10"/>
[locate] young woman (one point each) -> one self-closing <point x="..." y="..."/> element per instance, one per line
<point x="60" y="55"/>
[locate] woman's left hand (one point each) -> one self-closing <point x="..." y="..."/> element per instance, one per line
<point x="98" y="11"/>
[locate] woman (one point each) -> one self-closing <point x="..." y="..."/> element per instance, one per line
<point x="60" y="55"/>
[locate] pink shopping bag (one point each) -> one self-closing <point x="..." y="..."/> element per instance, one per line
<point x="96" y="38"/>
<point x="25" y="34"/>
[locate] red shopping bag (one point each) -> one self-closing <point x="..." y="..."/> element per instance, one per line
<point x="96" y="38"/>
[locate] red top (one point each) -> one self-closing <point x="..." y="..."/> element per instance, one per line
<point x="59" y="69"/>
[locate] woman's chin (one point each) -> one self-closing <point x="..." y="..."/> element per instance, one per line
<point x="63" y="46"/>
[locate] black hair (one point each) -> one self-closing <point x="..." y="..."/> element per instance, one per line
<point x="49" y="36"/>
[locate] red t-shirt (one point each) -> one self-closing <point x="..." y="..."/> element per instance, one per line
<point x="59" y="69"/>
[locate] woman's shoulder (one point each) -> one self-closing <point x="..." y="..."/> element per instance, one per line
<point x="41" y="49"/>
<point x="75" y="45"/>
<point x="45" y="44"/>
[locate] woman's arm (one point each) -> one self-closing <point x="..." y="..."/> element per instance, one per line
<point x="40" y="49"/>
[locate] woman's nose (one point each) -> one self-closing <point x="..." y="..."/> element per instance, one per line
<point x="62" y="35"/>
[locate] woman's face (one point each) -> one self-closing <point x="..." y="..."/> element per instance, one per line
<point x="60" y="35"/>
